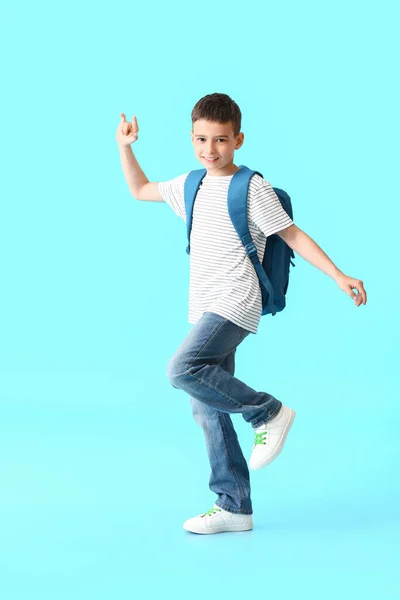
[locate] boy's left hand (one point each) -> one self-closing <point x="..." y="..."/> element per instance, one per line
<point x="348" y="284"/>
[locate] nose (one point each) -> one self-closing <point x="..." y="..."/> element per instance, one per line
<point x="210" y="151"/>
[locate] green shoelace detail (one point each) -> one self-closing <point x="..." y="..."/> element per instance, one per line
<point x="212" y="511"/>
<point x="259" y="437"/>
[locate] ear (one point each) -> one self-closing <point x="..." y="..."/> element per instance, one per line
<point x="239" y="140"/>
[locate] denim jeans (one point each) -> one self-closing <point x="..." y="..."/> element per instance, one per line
<point x="203" y="366"/>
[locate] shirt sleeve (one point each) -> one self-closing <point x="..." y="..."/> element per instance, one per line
<point x="172" y="192"/>
<point x="266" y="210"/>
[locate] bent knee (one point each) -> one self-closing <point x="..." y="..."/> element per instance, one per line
<point x="175" y="371"/>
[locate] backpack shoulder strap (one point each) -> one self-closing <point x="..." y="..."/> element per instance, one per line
<point x="191" y="187"/>
<point x="237" y="208"/>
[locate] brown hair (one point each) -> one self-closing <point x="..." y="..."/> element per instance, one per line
<point x="220" y="108"/>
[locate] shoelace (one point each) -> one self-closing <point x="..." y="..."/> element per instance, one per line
<point x="212" y="511"/>
<point x="259" y="437"/>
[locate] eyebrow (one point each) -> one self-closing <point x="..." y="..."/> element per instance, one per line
<point x="216" y="136"/>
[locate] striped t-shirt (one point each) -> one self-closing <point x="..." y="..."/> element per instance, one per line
<point x="222" y="277"/>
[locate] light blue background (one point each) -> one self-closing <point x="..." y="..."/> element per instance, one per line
<point x="100" y="459"/>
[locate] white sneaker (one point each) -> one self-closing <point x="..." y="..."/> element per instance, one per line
<point x="270" y="438"/>
<point x="217" y="520"/>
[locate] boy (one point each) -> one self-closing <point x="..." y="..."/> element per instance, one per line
<point x="225" y="305"/>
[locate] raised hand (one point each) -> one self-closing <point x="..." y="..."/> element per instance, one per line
<point x="127" y="132"/>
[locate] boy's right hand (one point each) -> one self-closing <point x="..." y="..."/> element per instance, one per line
<point x="127" y="132"/>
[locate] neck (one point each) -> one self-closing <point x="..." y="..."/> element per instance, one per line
<point x="230" y="169"/>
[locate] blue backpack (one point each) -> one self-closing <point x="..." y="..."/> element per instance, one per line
<point x="273" y="273"/>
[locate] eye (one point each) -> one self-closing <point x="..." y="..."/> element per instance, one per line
<point x="199" y="139"/>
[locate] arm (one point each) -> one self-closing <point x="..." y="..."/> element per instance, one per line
<point x="304" y="245"/>
<point x="301" y="243"/>
<point x="139" y="186"/>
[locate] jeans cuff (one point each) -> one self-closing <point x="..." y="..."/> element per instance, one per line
<point x="269" y="419"/>
<point x="234" y="510"/>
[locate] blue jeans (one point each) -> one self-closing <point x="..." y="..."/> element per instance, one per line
<point x="203" y="366"/>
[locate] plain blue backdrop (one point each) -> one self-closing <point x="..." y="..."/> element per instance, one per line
<point x="101" y="461"/>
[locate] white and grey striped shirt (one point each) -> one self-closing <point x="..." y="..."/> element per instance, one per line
<point x="222" y="277"/>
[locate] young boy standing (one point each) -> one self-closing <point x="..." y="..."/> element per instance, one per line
<point x="225" y="305"/>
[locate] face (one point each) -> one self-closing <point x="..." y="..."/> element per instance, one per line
<point x="213" y="140"/>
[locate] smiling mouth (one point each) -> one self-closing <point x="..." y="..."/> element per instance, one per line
<point x="210" y="159"/>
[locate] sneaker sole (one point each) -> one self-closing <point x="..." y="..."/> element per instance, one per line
<point x="280" y="445"/>
<point x="219" y="529"/>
